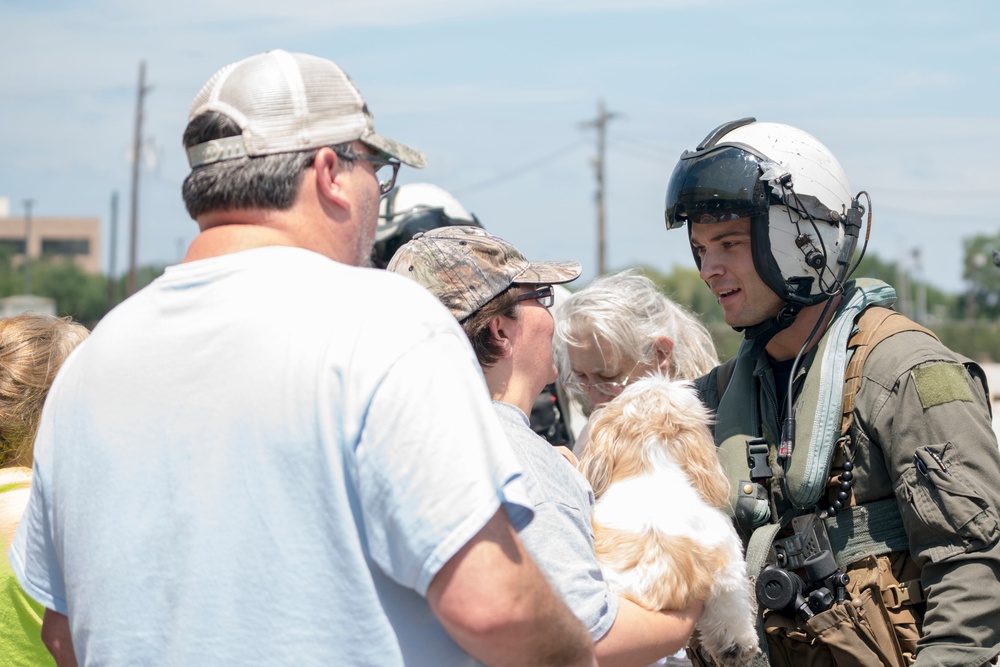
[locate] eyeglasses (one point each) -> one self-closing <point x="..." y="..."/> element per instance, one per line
<point x="606" y="388"/>
<point x="545" y="296"/>
<point x="385" y="168"/>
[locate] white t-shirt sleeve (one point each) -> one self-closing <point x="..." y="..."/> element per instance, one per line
<point x="433" y="464"/>
<point x="33" y="555"/>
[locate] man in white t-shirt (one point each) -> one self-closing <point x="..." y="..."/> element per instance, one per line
<point x="253" y="460"/>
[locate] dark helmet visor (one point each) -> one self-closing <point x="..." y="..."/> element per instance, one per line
<point x="717" y="185"/>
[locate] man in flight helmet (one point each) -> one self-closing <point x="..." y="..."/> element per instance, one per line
<point x="860" y="449"/>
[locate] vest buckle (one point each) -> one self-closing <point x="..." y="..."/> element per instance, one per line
<point x="757" y="453"/>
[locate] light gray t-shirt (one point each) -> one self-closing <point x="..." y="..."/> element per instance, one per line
<point x="561" y="536"/>
<point x="263" y="459"/>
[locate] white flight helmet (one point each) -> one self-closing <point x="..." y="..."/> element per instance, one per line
<point x="411" y="208"/>
<point x="804" y="221"/>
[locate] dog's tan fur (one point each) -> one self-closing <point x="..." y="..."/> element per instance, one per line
<point x="680" y="425"/>
<point x="688" y="576"/>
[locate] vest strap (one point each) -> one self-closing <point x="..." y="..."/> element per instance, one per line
<point x="906" y="593"/>
<point x="872" y="529"/>
<point x="757" y="553"/>
<point x="874" y="326"/>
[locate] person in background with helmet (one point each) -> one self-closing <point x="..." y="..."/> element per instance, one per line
<point x="419" y="207"/>
<point x="412" y="208"/>
<point x="863" y="463"/>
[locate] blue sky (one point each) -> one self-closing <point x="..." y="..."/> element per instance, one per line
<point x="495" y="93"/>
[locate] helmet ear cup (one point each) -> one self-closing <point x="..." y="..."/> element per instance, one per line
<point x="763" y="256"/>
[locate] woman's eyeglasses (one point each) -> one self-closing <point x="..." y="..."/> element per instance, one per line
<point x="606" y="388"/>
<point x="545" y="296"/>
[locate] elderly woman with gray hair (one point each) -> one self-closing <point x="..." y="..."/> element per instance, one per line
<point x="621" y="328"/>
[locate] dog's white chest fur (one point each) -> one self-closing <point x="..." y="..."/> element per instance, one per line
<point x="669" y="503"/>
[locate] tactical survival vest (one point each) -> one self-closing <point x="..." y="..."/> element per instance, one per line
<point x="880" y="624"/>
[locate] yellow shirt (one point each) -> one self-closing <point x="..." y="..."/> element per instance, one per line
<point x="20" y="616"/>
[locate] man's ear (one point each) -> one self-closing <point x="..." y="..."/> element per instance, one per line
<point x="663" y="348"/>
<point x="499" y="334"/>
<point x="327" y="167"/>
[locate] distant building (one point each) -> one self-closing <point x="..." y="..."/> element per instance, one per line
<point x="75" y="237"/>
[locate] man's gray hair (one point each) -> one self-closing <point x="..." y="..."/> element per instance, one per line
<point x="269" y="182"/>
<point x="628" y="313"/>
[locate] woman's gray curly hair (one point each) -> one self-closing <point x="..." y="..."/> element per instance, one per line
<point x="628" y="313"/>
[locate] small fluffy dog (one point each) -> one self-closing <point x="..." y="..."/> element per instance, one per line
<point x="660" y="535"/>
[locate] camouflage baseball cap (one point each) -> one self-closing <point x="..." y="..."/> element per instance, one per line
<point x="466" y="267"/>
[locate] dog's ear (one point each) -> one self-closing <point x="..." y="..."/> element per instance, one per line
<point x="598" y="462"/>
<point x="679" y="421"/>
<point x="693" y="445"/>
<point x="700" y="462"/>
<point x="609" y="449"/>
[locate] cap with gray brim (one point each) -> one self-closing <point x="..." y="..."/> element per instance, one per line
<point x="288" y="102"/>
<point x="466" y="267"/>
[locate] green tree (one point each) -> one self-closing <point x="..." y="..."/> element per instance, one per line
<point x="982" y="277"/>
<point x="872" y="266"/>
<point x="937" y="301"/>
<point x="78" y="294"/>
<point x="81" y="295"/>
<point x="143" y="276"/>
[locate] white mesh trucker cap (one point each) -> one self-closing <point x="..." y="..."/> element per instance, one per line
<point x="287" y="102"/>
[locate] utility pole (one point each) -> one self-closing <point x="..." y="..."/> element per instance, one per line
<point x="112" y="259"/>
<point x="903" y="289"/>
<point x="601" y="122"/>
<point x="136" y="150"/>
<point x="27" y="245"/>
<point x="921" y="305"/>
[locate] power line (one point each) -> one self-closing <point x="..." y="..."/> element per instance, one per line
<point x="21" y="96"/>
<point x="519" y="171"/>
<point x="639" y="153"/>
<point x="644" y="140"/>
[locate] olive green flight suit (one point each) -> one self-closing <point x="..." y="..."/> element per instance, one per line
<point x="922" y="434"/>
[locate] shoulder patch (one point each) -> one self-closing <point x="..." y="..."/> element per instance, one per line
<point x="941" y="382"/>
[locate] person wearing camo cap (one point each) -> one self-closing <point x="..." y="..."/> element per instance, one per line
<point x="247" y="464"/>
<point x="502" y="301"/>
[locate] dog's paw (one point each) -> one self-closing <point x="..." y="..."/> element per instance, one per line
<point x="737" y="655"/>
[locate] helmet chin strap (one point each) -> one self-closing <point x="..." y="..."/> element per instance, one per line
<point x="796" y="296"/>
<point x="766" y="330"/>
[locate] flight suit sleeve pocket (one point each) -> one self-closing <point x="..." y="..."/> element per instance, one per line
<point x="943" y="510"/>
